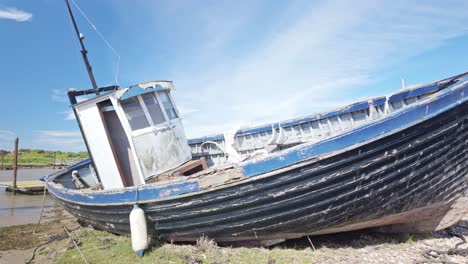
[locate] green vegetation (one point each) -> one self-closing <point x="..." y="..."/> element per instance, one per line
<point x="39" y="158"/>
<point x="103" y="247"/>
<point x="54" y="246"/>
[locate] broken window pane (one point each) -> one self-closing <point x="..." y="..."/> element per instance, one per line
<point x="154" y="110"/>
<point x="166" y="101"/>
<point x="134" y="113"/>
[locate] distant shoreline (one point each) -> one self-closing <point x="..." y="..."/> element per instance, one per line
<point x="37" y="158"/>
<point x="34" y="166"/>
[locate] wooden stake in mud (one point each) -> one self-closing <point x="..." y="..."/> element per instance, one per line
<point x="3" y="158"/>
<point x="15" y="165"/>
<point x="55" y="157"/>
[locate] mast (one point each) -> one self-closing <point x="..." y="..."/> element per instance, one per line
<point x="83" y="50"/>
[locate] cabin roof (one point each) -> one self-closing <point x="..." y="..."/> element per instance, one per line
<point x="131" y="91"/>
<point x="147" y="87"/>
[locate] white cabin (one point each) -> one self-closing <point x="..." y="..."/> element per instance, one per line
<point x="133" y="134"/>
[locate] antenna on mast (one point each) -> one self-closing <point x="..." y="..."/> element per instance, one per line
<point x="83" y="49"/>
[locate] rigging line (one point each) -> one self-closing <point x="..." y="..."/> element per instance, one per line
<point x="103" y="39"/>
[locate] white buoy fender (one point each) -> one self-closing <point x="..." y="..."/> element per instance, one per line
<point x="138" y="230"/>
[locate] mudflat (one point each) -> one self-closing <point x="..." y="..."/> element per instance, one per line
<point x="23" y="209"/>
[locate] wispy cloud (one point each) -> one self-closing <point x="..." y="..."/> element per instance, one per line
<point x="59" y="140"/>
<point x="15" y="14"/>
<point x="69" y="115"/>
<point x="59" y="95"/>
<point x="317" y="52"/>
<point x="7" y="139"/>
<point x="60" y="133"/>
<point x="6" y="135"/>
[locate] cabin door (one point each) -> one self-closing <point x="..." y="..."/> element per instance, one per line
<point x="120" y="145"/>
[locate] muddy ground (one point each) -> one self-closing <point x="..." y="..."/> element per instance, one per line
<point x="17" y="244"/>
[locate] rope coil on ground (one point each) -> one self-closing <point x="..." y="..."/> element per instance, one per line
<point x="441" y="256"/>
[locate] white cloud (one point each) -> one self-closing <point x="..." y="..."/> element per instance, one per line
<point x="185" y="111"/>
<point x="60" y="133"/>
<point x="317" y="52"/>
<point x="6" y="135"/>
<point x="15" y="14"/>
<point x="7" y="139"/>
<point x="59" y="140"/>
<point x="59" y="95"/>
<point x="69" y="115"/>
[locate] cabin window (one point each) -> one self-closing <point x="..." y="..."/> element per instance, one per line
<point x="154" y="110"/>
<point x="134" y="113"/>
<point x="166" y="101"/>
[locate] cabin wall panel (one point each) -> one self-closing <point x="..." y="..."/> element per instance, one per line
<point x="99" y="146"/>
<point x="148" y="149"/>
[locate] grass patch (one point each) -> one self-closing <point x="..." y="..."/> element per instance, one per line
<point x="35" y="157"/>
<point x="103" y="247"/>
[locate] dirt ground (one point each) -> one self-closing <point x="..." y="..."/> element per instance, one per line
<point x="17" y="244"/>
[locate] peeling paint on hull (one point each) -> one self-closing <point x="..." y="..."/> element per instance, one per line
<point x="419" y="166"/>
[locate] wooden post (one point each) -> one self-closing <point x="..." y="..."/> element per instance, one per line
<point x="15" y="165"/>
<point x="3" y="158"/>
<point x="55" y="156"/>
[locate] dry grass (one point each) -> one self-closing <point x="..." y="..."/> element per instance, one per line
<point x="352" y="247"/>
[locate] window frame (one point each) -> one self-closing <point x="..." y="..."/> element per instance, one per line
<point x="152" y="127"/>
<point x="172" y="103"/>
<point x="144" y="113"/>
<point x="147" y="113"/>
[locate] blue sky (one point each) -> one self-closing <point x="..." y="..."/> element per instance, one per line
<point x="234" y="63"/>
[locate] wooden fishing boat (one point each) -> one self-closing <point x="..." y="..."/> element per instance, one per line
<point x="397" y="162"/>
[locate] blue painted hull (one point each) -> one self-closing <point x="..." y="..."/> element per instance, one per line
<point x="377" y="174"/>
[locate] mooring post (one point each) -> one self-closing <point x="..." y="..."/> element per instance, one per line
<point x="55" y="156"/>
<point x="3" y="158"/>
<point x="15" y="165"/>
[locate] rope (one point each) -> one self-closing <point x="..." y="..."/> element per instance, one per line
<point x="103" y="39"/>
<point x="73" y="240"/>
<point x="42" y="208"/>
<point x="51" y="239"/>
<point x="34" y="252"/>
<point x="440" y="256"/>
<point x="311" y="244"/>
